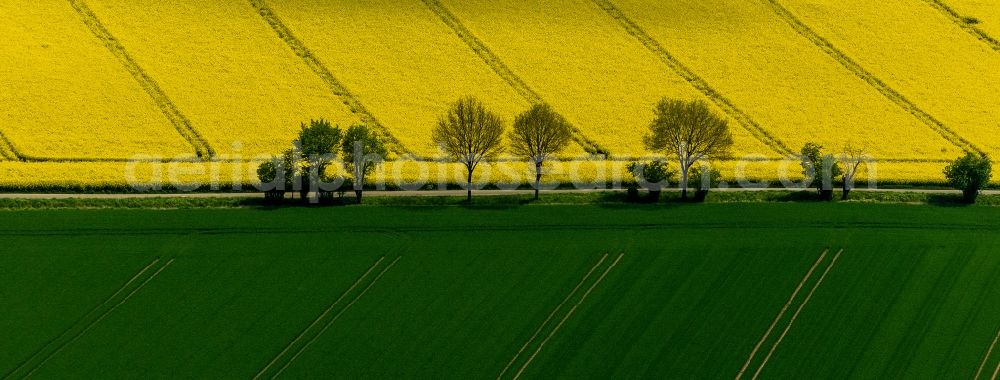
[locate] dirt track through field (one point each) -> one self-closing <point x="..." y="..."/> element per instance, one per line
<point x="567" y="316"/>
<point x="960" y="21"/>
<point x="501" y="69"/>
<point x="150" y="86"/>
<point x="781" y="313"/>
<point x="342" y="311"/>
<point x="986" y="358"/>
<point x="92" y="311"/>
<point x="796" y="315"/>
<point x="336" y="86"/>
<point x="551" y="315"/>
<point x="61" y="346"/>
<point x="319" y="318"/>
<point x="868" y="77"/>
<point x="727" y="106"/>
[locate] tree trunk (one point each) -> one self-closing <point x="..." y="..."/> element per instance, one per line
<point x="538" y="178"/>
<point x="970" y="195"/>
<point x="684" y="183"/>
<point x="847" y="192"/>
<point x="469" y="188"/>
<point x="357" y="195"/>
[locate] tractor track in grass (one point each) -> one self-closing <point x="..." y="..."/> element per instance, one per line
<point x="336" y="86"/>
<point x="875" y="82"/>
<point x="551" y="315"/>
<point x="502" y="70"/>
<point x="180" y="122"/>
<point x="781" y="313"/>
<point x="87" y="322"/>
<point x="986" y="358"/>
<point x="310" y="330"/>
<point x="342" y="311"/>
<point x="569" y="314"/>
<point x="727" y="106"/>
<point x="795" y="316"/>
<point x="959" y="21"/>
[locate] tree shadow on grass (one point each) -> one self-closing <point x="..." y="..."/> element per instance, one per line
<point x="947" y="200"/>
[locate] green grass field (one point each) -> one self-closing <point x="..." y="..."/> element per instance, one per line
<point x="532" y="291"/>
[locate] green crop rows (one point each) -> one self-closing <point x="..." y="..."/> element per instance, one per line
<point x="597" y="291"/>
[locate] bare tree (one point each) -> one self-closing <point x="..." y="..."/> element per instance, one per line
<point x="538" y="134"/>
<point x="689" y="130"/>
<point x="468" y="134"/>
<point x="851" y="159"/>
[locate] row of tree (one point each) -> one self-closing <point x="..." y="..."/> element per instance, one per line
<point x="469" y="133"/>
<point x="303" y="168"/>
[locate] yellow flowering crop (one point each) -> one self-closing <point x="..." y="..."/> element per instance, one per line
<point x="400" y="60"/>
<point x="986" y="12"/>
<point x="923" y="54"/>
<point x="225" y="69"/>
<point x="792" y="88"/>
<point x="582" y="62"/>
<point x="68" y="93"/>
<point x="64" y="95"/>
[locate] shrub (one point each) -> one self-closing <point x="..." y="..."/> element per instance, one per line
<point x="970" y="173"/>
<point x="652" y="175"/>
<point x="819" y="169"/>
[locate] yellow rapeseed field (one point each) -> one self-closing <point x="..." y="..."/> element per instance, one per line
<point x="226" y="70"/>
<point x="67" y="94"/>
<point x="987" y="12"/>
<point x="400" y="60"/>
<point x="64" y="95"/>
<point x="583" y="63"/>
<point x="790" y="86"/>
<point x="922" y="54"/>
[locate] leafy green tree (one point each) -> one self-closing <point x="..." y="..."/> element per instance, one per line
<point x="971" y="174"/>
<point x="691" y="132"/>
<point x="538" y="134"/>
<point x="363" y="150"/>
<point x="278" y="175"/>
<point x="819" y="169"/>
<point x="469" y="133"/>
<point x="317" y="144"/>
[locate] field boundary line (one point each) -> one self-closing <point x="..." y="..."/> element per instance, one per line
<point x="104" y="315"/>
<point x="875" y="82"/>
<point x="502" y="70"/>
<point x="152" y="88"/>
<point x="552" y="315"/>
<point x="959" y="20"/>
<point x="336" y="86"/>
<point x="83" y="318"/>
<point x="796" y="315"/>
<point x="781" y="313"/>
<point x="319" y="318"/>
<point x="567" y="316"/>
<point x="699" y="83"/>
<point x="335" y="317"/>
